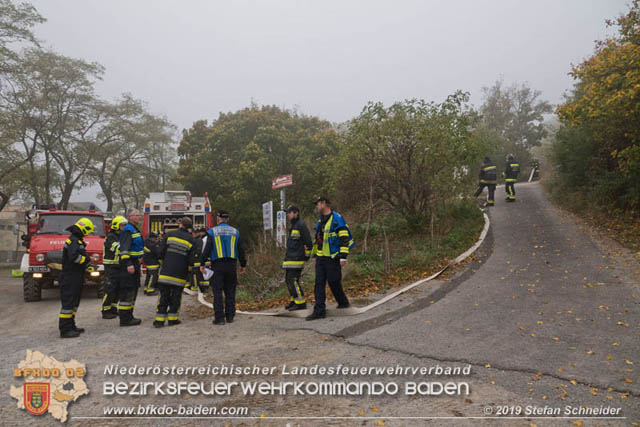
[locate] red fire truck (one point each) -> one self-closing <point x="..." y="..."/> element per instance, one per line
<point x="46" y="234"/>
<point x="163" y="210"/>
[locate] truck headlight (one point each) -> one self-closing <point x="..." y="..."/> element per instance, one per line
<point x="95" y="258"/>
<point x="37" y="275"/>
<point x="40" y="258"/>
<point x="95" y="274"/>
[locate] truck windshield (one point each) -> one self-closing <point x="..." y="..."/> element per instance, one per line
<point x="58" y="223"/>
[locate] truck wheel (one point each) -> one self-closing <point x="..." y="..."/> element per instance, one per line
<point x="31" y="288"/>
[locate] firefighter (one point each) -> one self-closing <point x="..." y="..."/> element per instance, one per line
<point x="74" y="263"/>
<point x="177" y="253"/>
<point x="197" y="280"/>
<point x="297" y="253"/>
<point x="332" y="243"/>
<point x="151" y="261"/>
<point x="131" y="251"/>
<point x="510" y="175"/>
<point x="224" y="248"/>
<point x="194" y="266"/>
<point x="488" y="178"/>
<point x="111" y="261"/>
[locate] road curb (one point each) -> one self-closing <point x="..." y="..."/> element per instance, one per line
<point x="359" y="310"/>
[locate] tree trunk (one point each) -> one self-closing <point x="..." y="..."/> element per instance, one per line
<point x="4" y="200"/>
<point x="366" y="231"/>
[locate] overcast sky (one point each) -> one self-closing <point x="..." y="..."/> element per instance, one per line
<point x="192" y="59"/>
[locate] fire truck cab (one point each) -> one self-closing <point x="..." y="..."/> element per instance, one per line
<point x="46" y="234"/>
<point x="163" y="210"/>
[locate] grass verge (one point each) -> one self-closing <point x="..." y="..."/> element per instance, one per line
<point x="397" y="253"/>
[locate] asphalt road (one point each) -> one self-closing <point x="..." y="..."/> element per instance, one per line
<point x="547" y="315"/>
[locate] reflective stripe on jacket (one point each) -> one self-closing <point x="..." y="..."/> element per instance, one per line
<point x="298" y="245"/>
<point x="177" y="251"/>
<point x="131" y="244"/>
<point x="338" y="236"/>
<point x="488" y="174"/>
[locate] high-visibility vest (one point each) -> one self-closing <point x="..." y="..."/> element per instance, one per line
<point x="224" y="242"/>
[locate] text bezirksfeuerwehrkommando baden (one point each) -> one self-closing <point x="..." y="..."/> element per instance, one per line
<point x="286" y="370"/>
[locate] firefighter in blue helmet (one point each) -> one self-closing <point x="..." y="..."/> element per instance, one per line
<point x="111" y="261"/>
<point x="131" y="251"/>
<point x="74" y="263"/>
<point x="152" y="262"/>
<point x="333" y="240"/>
<point x="488" y="178"/>
<point x="224" y="248"/>
<point x="298" y="251"/>
<point x="510" y="175"/>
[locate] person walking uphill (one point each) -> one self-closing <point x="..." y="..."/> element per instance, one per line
<point x="224" y="248"/>
<point x="177" y="253"/>
<point x="333" y="240"/>
<point x="297" y="253"/>
<point x="510" y="175"/>
<point x="74" y="263"/>
<point x="131" y="251"/>
<point x="488" y="178"/>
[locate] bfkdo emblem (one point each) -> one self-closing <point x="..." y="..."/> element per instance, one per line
<point x="36" y="398"/>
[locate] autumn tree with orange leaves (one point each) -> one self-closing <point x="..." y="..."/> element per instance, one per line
<point x="598" y="148"/>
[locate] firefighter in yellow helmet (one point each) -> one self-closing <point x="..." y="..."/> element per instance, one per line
<point x="111" y="261"/>
<point x="74" y="262"/>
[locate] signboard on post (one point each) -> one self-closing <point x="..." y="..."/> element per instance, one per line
<point x="282" y="181"/>
<point x="267" y="215"/>
<point x="281" y="228"/>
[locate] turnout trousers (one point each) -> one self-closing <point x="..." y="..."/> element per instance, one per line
<point x="491" y="188"/>
<point x="328" y="270"/>
<point x="292" y="279"/>
<point x="129" y="284"/>
<point x="510" y="188"/>
<point x="70" y="292"/>
<point x="151" y="280"/>
<point x="111" y="289"/>
<point x="224" y="281"/>
<point x="169" y="302"/>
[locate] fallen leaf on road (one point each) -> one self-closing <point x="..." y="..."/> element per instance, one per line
<point x="574" y="382"/>
<point x="628" y="362"/>
<point x="555" y="339"/>
<point x="628" y="380"/>
<point x="533" y="335"/>
<point x="590" y="353"/>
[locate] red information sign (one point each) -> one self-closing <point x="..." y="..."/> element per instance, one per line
<point x="282" y="181"/>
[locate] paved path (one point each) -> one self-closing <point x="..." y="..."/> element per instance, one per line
<point x="544" y="315"/>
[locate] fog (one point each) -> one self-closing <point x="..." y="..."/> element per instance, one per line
<point x="193" y="59"/>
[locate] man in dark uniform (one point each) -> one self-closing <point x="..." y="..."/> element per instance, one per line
<point x="224" y="248"/>
<point x="510" y="174"/>
<point x="297" y="253"/>
<point x="333" y="240"/>
<point x="74" y="263"/>
<point x="177" y="253"/>
<point x="111" y="261"/>
<point x="151" y="261"/>
<point x="131" y="251"/>
<point x="197" y="280"/>
<point x="488" y="178"/>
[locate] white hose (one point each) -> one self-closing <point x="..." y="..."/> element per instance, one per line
<point x="358" y="310"/>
